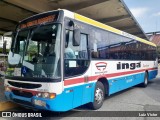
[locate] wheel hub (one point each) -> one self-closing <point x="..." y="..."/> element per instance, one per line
<point x="99" y="95"/>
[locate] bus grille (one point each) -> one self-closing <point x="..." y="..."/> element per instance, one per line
<point x="23" y="93"/>
<point x="24" y="85"/>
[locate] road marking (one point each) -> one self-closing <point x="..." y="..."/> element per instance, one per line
<point x="7" y="105"/>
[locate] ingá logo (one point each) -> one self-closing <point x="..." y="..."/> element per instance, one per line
<point x="101" y="66"/>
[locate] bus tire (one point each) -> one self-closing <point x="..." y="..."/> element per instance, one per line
<point x="145" y="83"/>
<point x="98" y="96"/>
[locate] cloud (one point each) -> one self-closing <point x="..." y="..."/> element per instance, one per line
<point x="156" y="14"/>
<point x="139" y="12"/>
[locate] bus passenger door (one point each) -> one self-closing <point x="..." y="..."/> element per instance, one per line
<point x="76" y="63"/>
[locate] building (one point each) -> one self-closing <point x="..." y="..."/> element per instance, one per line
<point x="154" y="37"/>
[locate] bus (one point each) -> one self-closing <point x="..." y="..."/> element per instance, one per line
<point x="60" y="60"/>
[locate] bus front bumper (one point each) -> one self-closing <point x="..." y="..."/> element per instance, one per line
<point x="34" y="102"/>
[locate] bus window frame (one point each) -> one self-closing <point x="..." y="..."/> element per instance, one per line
<point x="88" y="50"/>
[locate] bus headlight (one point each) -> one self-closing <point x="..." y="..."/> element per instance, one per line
<point x="7" y="89"/>
<point x="39" y="95"/>
<point x="46" y="95"/>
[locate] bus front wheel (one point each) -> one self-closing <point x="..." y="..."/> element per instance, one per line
<point x="98" y="96"/>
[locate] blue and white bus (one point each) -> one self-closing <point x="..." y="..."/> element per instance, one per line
<point x="60" y="60"/>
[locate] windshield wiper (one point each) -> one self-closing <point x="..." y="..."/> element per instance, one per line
<point x="14" y="44"/>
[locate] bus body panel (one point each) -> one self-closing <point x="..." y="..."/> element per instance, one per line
<point x="77" y="92"/>
<point x="122" y="83"/>
<point x="120" y="79"/>
<point x="152" y="74"/>
<point x="70" y="98"/>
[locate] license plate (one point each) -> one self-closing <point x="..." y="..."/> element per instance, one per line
<point x="39" y="103"/>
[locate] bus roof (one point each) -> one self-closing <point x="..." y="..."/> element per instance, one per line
<point x="109" y="28"/>
<point x="96" y="24"/>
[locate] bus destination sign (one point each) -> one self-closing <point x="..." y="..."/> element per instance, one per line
<point x="42" y="20"/>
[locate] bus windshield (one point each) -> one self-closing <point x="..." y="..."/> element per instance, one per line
<point x="38" y="52"/>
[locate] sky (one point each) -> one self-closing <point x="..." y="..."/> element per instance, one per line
<point x="146" y="12"/>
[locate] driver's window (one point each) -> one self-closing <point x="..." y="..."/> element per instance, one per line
<point x="75" y="57"/>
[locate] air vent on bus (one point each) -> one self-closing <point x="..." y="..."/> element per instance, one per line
<point x="24" y="85"/>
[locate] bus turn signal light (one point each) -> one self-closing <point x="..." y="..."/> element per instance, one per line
<point x="52" y="95"/>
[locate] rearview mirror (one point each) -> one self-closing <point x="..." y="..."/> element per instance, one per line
<point x="76" y="37"/>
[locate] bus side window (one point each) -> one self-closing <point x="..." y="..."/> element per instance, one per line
<point x="75" y="57"/>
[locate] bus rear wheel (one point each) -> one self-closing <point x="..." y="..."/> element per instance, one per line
<point x="98" y="96"/>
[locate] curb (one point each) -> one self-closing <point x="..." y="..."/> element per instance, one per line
<point x="7" y="105"/>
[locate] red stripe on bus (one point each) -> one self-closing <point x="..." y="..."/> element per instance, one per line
<point x="92" y="78"/>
